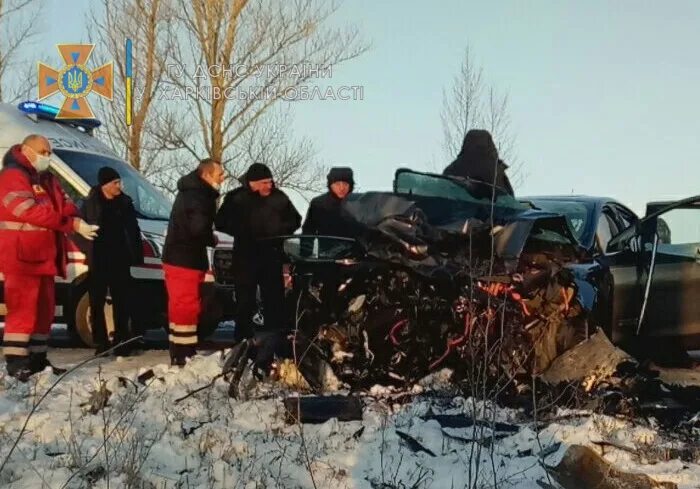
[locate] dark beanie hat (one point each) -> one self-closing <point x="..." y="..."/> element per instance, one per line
<point x="341" y="174"/>
<point x="107" y="174"/>
<point x="258" y="171"/>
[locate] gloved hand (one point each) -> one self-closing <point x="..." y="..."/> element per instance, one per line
<point x="87" y="231"/>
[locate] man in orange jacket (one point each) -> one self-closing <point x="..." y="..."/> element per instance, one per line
<point x="35" y="215"/>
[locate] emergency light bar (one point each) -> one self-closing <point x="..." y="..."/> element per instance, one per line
<point x="49" y="112"/>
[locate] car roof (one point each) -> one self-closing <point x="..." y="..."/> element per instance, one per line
<point x="586" y="199"/>
<point x="15" y="125"/>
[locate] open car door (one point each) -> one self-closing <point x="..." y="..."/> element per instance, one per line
<point x="655" y="273"/>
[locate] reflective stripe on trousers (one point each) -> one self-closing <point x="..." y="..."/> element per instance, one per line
<point x="16" y="344"/>
<point x="183" y="334"/>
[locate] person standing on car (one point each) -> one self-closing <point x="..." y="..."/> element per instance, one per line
<point x="478" y="159"/>
<point x="185" y="261"/>
<point x="110" y="257"/>
<point x="35" y="216"/>
<point x="251" y="213"/>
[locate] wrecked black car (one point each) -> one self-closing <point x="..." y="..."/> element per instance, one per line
<point x="442" y="268"/>
<point x="449" y="272"/>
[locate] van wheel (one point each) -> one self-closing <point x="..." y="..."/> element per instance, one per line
<point x="82" y="325"/>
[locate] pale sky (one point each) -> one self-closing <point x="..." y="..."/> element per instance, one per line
<point x="603" y="95"/>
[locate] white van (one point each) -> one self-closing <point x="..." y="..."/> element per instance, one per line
<point x="78" y="155"/>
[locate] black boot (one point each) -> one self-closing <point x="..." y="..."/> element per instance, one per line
<point x="180" y="353"/>
<point x="38" y="363"/>
<point x="19" y="367"/>
<point x="243" y="331"/>
<point x="124" y="350"/>
<point x="101" y="348"/>
<point x="269" y="344"/>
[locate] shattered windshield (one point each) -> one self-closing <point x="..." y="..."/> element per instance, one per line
<point x="427" y="185"/>
<point x="576" y="213"/>
<point x="148" y="201"/>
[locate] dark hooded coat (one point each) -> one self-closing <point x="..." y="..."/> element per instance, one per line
<point x="478" y="160"/>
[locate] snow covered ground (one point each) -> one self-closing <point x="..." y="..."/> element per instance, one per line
<point x="144" y="439"/>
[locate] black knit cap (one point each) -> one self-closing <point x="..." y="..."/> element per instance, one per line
<point x="107" y="174"/>
<point x="258" y="171"/>
<point x="341" y="174"/>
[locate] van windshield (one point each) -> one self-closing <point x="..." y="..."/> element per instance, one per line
<point x="148" y="201"/>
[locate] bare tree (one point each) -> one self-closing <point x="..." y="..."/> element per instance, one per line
<point x="147" y="23"/>
<point x="18" y="27"/>
<point x="462" y="106"/>
<point x="471" y="103"/>
<point x="247" y="57"/>
<point x="293" y="161"/>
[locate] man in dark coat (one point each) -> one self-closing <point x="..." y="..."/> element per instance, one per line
<point x="325" y="216"/>
<point x="251" y="213"/>
<point x="110" y="256"/>
<point x="478" y="159"/>
<point x="185" y="261"/>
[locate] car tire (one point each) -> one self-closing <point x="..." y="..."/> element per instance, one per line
<point x="82" y="325"/>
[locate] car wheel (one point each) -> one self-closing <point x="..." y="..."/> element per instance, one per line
<point x="82" y="323"/>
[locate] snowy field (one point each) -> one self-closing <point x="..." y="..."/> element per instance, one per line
<point x="144" y="439"/>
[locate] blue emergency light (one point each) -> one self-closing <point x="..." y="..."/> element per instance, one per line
<point x="49" y="112"/>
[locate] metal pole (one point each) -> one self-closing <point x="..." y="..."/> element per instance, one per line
<point x="649" y="279"/>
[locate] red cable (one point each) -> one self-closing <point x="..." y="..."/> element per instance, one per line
<point x="395" y="329"/>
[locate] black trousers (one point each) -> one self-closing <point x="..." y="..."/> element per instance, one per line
<point x="264" y="270"/>
<point x="116" y="278"/>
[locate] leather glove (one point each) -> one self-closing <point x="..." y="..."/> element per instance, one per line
<point x="87" y="231"/>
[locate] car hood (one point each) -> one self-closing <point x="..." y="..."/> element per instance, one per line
<point x="426" y="232"/>
<point x="153" y="226"/>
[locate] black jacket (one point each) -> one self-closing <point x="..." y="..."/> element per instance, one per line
<point x="190" y="227"/>
<point x="478" y="159"/>
<point x="326" y="217"/>
<point x="249" y="217"/>
<point x="119" y="237"/>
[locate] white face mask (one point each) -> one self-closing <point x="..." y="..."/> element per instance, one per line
<point x="41" y="162"/>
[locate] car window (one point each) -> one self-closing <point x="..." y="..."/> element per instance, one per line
<point x="68" y="189"/>
<point x="679" y="232"/>
<point x="605" y="231"/>
<point x="318" y="248"/>
<point x="624" y="218"/>
<point x="576" y="213"/>
<point x="148" y="201"/>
